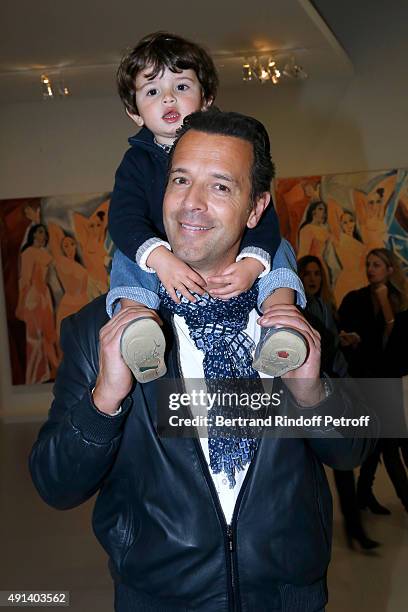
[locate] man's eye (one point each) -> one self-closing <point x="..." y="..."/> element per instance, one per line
<point x="221" y="187"/>
<point x="152" y="92"/>
<point x="180" y="180"/>
<point x="182" y="87"/>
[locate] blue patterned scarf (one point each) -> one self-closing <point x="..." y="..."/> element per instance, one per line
<point x="217" y="329"/>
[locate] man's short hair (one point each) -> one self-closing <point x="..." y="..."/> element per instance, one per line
<point x="214" y="121"/>
<point x="162" y="50"/>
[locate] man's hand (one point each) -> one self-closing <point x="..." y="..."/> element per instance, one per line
<point x="235" y="279"/>
<point x="115" y="380"/>
<point x="175" y="274"/>
<point x="304" y="382"/>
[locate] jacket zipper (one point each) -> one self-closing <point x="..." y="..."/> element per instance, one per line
<point x="229" y="530"/>
<point x="232" y="565"/>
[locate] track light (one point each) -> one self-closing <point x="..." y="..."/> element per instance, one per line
<point x="263" y="70"/>
<point x="246" y="71"/>
<point x="294" y="70"/>
<point x="46" y="88"/>
<point x="49" y="90"/>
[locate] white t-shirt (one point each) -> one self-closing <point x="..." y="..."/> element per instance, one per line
<point x="191" y="360"/>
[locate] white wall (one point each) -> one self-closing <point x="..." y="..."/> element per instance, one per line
<point x="74" y="146"/>
<point x="331" y="127"/>
<point x="61" y="146"/>
<point x="53" y="147"/>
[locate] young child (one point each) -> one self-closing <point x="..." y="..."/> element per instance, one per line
<point x="161" y="81"/>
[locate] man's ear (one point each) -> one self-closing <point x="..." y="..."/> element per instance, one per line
<point x="261" y="203"/>
<point x="136" y="118"/>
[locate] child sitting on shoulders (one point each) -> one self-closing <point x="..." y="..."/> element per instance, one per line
<point x="161" y="81"/>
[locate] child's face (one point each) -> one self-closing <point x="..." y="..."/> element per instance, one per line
<point x="164" y="102"/>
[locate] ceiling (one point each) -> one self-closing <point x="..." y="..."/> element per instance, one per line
<point x="369" y="30"/>
<point x="83" y="40"/>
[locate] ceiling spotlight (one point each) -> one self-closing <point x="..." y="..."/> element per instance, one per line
<point x="46" y="87"/>
<point x="263" y="70"/>
<point x="63" y="90"/>
<point x="276" y="77"/>
<point x="299" y="73"/>
<point x="274" y="73"/>
<point x="294" y="71"/>
<point x="246" y="71"/>
<point x="261" y="73"/>
<point x="56" y="87"/>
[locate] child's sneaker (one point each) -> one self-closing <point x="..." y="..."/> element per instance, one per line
<point x="279" y="350"/>
<point x="142" y="346"/>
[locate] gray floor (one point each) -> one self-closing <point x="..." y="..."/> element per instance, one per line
<point x="44" y="549"/>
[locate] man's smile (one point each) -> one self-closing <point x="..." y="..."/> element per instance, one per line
<point x="195" y="228"/>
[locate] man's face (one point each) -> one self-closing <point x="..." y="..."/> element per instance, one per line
<point x="207" y="202"/>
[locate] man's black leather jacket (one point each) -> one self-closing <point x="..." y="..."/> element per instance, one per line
<point x="157" y="513"/>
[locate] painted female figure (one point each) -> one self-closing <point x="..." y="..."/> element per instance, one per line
<point x="71" y="274"/>
<point x="35" y="307"/>
<point x="370" y="212"/>
<point x="91" y="234"/>
<point x="350" y="251"/>
<point x="314" y="234"/>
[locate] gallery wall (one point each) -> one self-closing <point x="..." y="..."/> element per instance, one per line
<point x="74" y="146"/>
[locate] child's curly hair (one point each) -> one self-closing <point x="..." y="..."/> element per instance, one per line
<point x="162" y="50"/>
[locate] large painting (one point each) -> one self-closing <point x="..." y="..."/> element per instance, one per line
<point x="55" y="257"/>
<point x="340" y="218"/>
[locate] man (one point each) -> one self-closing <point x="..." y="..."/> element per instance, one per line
<point x="191" y="524"/>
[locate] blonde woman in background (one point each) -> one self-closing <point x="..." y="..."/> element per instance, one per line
<point x="376" y="321"/>
<point x="321" y="313"/>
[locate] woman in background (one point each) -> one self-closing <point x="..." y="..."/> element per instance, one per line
<point x="377" y="318"/>
<point x="320" y="311"/>
<point x="321" y="308"/>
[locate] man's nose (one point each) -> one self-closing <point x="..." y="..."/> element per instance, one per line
<point x="194" y="199"/>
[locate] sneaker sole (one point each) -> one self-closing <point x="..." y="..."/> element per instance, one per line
<point x="142" y="346"/>
<point x="282" y="352"/>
